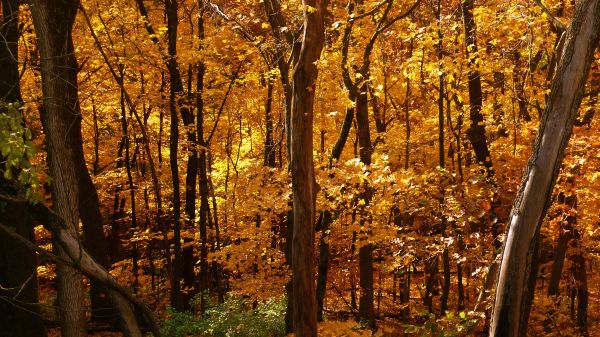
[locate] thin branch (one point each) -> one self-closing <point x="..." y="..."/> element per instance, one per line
<point x="233" y="79"/>
<point x="559" y="26"/>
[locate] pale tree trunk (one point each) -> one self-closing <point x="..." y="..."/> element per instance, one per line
<point x="302" y="167"/>
<point x="533" y="198"/>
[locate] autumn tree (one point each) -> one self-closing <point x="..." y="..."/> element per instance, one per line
<point x="513" y="290"/>
<point x="302" y="168"/>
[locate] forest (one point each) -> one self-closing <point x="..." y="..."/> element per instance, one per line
<point x="384" y="168"/>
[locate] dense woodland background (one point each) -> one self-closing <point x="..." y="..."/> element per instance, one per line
<point x="159" y="133"/>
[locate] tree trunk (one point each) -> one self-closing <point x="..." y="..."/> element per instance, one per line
<point x="476" y="131"/>
<point x="203" y="178"/>
<point x="566" y="234"/>
<point x="534" y="195"/>
<point x="366" y="312"/>
<point x="285" y="39"/>
<point x="269" y="150"/>
<point x="18" y="273"/>
<point x="303" y="176"/>
<point x="580" y="288"/>
<point x="175" y="90"/>
<point x="18" y="276"/>
<point x="61" y="118"/>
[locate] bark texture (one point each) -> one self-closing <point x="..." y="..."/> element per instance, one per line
<point x="61" y="118"/>
<point x="476" y="131"/>
<point x="302" y="166"/>
<point x="72" y="188"/>
<point x="533" y="198"/>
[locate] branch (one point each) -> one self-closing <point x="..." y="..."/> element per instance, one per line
<point x="78" y="256"/>
<point x="559" y="26"/>
<point x="235" y="77"/>
<point x="245" y="34"/>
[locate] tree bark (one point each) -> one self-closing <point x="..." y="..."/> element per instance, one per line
<point x="476" y="131"/>
<point x="61" y="118"/>
<point x="534" y="194"/>
<point x="175" y="90"/>
<point x="303" y="176"/>
<point x="269" y="150"/>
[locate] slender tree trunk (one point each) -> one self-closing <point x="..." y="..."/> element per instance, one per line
<point x="269" y="151"/>
<point x="285" y="40"/>
<point x="534" y="195"/>
<point x="303" y="177"/>
<point x="581" y="291"/>
<point x="175" y="91"/>
<point x="476" y="131"/>
<point x="203" y="178"/>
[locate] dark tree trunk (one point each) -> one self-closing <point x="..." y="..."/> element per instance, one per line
<point x="431" y="281"/>
<point x="323" y="266"/>
<point x="404" y="294"/>
<point x="476" y="131"/>
<point x="269" y="151"/>
<point x="533" y="198"/>
<point x="566" y="234"/>
<point x="73" y="193"/>
<point x="61" y="119"/>
<point x="303" y="177"/>
<point x="10" y="90"/>
<point x="580" y="289"/>
<point x="285" y="40"/>
<point x="18" y="276"/>
<point x="366" y="312"/>
<point x="203" y="178"/>
<point x="175" y="93"/>
<point x="18" y="273"/>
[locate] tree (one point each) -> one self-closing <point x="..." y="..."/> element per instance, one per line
<point x="510" y="314"/>
<point x="61" y="118"/>
<point x="302" y="168"/>
<point x="53" y="22"/>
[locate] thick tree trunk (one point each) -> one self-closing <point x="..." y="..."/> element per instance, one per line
<point x="303" y="176"/>
<point x="61" y="117"/>
<point x="534" y="195"/>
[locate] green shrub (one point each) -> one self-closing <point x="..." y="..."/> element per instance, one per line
<point x="233" y="318"/>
